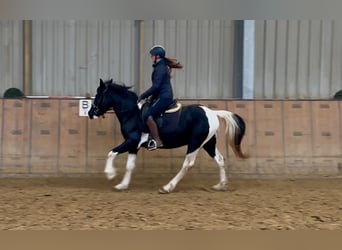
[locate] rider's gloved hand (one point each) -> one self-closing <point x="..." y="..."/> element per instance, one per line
<point x="140" y="102"/>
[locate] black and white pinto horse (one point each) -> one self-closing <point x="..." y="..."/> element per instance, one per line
<point x="197" y="128"/>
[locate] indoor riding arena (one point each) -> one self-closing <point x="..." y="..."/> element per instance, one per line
<point x="52" y="163"/>
<point x="283" y="77"/>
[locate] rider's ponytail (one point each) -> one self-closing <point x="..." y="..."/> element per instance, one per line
<point x="173" y="64"/>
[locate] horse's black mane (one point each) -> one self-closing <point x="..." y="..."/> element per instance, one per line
<point x="119" y="88"/>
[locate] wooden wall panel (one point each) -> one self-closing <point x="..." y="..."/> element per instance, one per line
<point x="157" y="161"/>
<point x="269" y="129"/>
<point x="45" y="136"/>
<point x="326" y="128"/>
<point x="326" y="166"/>
<point x="298" y="137"/>
<point x="299" y="166"/>
<point x="269" y="138"/>
<point x="100" y="141"/>
<point x="1" y="136"/>
<point x="271" y="167"/>
<point x="289" y="138"/>
<point x="73" y="138"/>
<point x="16" y="136"/>
<point x="245" y="109"/>
<point x="297" y="129"/>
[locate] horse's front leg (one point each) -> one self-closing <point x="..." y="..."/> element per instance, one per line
<point x="110" y="169"/>
<point x="130" y="146"/>
<point x="130" y="165"/>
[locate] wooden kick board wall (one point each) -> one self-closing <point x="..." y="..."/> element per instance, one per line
<point x="44" y="150"/>
<point x="284" y="138"/>
<point x="16" y="116"/>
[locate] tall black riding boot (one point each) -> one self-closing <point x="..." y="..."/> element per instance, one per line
<point x="156" y="142"/>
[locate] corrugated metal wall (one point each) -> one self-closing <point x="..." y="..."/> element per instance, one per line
<point x="293" y="59"/>
<point x="205" y="47"/>
<point x="70" y="56"/>
<point x="11" y="54"/>
<point x="298" y="59"/>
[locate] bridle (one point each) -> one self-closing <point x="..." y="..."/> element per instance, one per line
<point x="95" y="107"/>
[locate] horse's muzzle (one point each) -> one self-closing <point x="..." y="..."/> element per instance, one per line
<point x="94" y="113"/>
<point x="91" y="114"/>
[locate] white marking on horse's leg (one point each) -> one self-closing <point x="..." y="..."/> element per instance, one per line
<point x="213" y="129"/>
<point x="130" y="165"/>
<point x="222" y="185"/>
<point x="187" y="164"/>
<point x="143" y="138"/>
<point x="110" y="169"/>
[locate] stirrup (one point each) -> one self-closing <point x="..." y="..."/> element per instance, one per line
<point x="153" y="145"/>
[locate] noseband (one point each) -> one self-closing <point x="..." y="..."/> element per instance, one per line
<point x="95" y="107"/>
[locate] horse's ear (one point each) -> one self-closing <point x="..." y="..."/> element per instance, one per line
<point x="111" y="80"/>
<point x="101" y="82"/>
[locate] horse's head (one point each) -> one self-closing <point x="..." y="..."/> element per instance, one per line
<point x="101" y="103"/>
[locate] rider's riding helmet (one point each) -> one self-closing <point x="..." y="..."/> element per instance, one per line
<point x="157" y="50"/>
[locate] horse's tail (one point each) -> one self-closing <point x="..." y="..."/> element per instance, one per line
<point x="235" y="130"/>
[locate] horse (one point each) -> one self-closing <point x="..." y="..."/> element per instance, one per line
<point x="197" y="128"/>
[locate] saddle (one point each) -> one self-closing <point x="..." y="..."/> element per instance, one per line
<point x="168" y="120"/>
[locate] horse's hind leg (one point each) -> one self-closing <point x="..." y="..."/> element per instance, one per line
<point x="222" y="185"/>
<point x="187" y="164"/>
<point x="212" y="150"/>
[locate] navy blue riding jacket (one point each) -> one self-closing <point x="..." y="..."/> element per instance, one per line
<point x="161" y="84"/>
<point x="161" y="89"/>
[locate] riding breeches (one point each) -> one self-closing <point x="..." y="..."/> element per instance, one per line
<point x="157" y="107"/>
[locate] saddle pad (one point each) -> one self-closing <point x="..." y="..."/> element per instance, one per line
<point x="174" y="109"/>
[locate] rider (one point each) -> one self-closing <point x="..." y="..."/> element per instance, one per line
<point x="161" y="91"/>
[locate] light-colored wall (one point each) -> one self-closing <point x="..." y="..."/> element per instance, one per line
<point x="292" y="139"/>
<point x="205" y="47"/>
<point x="298" y="58"/>
<point x="11" y="55"/>
<point x="69" y="56"/>
<point x="294" y="59"/>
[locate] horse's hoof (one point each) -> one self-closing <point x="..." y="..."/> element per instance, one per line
<point x="120" y="187"/>
<point x="116" y="190"/>
<point x="110" y="176"/>
<point x="163" y="191"/>
<point x="220" y="187"/>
